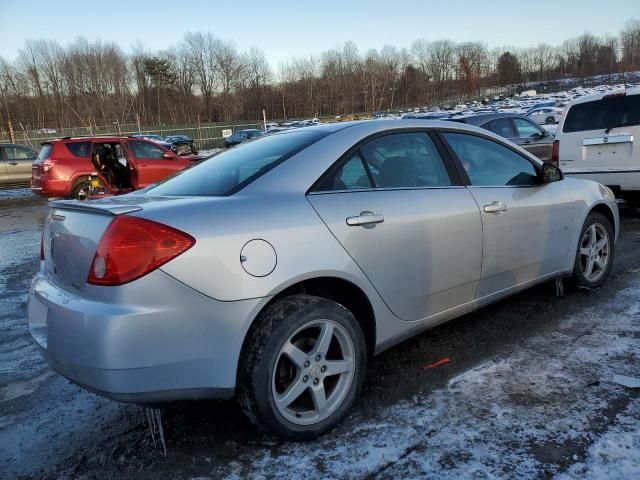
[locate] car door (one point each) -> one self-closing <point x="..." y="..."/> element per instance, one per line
<point x="527" y="226"/>
<point x="4" y="174"/>
<point x="18" y="162"/>
<point x="398" y="208"/>
<point x="150" y="163"/>
<point x="532" y="138"/>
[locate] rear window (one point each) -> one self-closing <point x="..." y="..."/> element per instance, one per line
<point x="45" y="152"/>
<point x="228" y="172"/>
<point x="602" y="114"/>
<point x="79" y="149"/>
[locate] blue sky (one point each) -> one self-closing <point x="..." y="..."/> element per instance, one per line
<point x="298" y="28"/>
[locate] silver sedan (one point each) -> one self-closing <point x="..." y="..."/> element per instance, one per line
<point x="272" y="272"/>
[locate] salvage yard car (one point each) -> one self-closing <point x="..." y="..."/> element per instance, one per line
<point x="516" y="128"/>
<point x="240" y="136"/>
<point x="599" y="139"/>
<point x="74" y="167"/>
<point x="15" y="164"/>
<point x="274" y="271"/>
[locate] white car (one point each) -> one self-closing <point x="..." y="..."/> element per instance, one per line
<point x="545" y="115"/>
<point x="598" y="139"/>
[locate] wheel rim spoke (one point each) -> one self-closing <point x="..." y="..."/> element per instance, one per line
<point x="585" y="251"/>
<point x="601" y="244"/>
<point x="292" y="393"/>
<point x="324" y="340"/>
<point x="318" y="394"/>
<point x="297" y="356"/>
<point x="336" y="367"/>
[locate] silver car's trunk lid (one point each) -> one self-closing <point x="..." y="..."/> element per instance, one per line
<point x="71" y="235"/>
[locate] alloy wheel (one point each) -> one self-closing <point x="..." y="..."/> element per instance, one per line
<point x="594" y="252"/>
<point x="313" y="372"/>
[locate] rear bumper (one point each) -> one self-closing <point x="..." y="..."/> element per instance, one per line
<point x="186" y="346"/>
<point x="50" y="187"/>
<point x="624" y="180"/>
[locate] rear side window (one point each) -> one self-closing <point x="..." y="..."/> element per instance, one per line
<point x="500" y="126"/>
<point x="602" y="114"/>
<point x="399" y="160"/>
<point x="79" y="149"/>
<point x="232" y="170"/>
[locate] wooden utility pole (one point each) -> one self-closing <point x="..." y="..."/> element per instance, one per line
<point x="12" y="137"/>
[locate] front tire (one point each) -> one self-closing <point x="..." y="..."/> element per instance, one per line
<point x="303" y="365"/>
<point x="596" y="248"/>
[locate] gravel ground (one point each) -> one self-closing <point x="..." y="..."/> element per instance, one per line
<point x="527" y="394"/>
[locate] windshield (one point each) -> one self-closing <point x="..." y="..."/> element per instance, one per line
<point x="228" y="172"/>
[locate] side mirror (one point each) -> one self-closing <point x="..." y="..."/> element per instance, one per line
<point x="551" y="173"/>
<point x="169" y="156"/>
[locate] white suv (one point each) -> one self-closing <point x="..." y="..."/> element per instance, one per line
<point x="598" y="139"/>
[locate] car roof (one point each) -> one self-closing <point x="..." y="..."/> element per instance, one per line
<point x="485" y="117"/>
<point x="600" y="95"/>
<point x="95" y="138"/>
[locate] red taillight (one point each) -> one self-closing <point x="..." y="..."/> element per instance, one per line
<point x="131" y="247"/>
<point x="555" y="153"/>
<point x="47" y="164"/>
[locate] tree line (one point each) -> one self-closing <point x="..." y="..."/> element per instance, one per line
<point x="205" y="78"/>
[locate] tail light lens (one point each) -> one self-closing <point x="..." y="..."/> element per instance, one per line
<point x="555" y="153"/>
<point x="46" y="165"/>
<point x="132" y="247"/>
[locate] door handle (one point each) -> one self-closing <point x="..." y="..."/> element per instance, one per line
<point x="496" y="207"/>
<point x="13" y="163"/>
<point x="365" y="218"/>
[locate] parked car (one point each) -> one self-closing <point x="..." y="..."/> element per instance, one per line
<point x="159" y="139"/>
<point x="599" y="139"/>
<point x="240" y="136"/>
<point x="15" y="163"/>
<point x="274" y="271"/>
<point x="516" y="128"/>
<point x="545" y="115"/>
<point x="74" y="167"/>
<point x="182" y="144"/>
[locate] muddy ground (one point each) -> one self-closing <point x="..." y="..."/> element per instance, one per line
<point x="527" y="394"/>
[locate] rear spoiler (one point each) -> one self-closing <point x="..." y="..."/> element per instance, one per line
<point x="103" y="209"/>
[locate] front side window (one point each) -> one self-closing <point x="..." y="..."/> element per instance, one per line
<point x="235" y="168"/>
<point x="527" y="129"/>
<point x="146" y="150"/>
<point x="488" y="163"/>
<point x="19" y="153"/>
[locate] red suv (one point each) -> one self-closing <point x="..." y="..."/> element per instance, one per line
<point x="76" y="167"/>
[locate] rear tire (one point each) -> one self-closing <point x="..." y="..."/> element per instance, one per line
<point x="595" y="252"/>
<point x="81" y="190"/>
<point x="302" y="366"/>
<point x="550" y="121"/>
